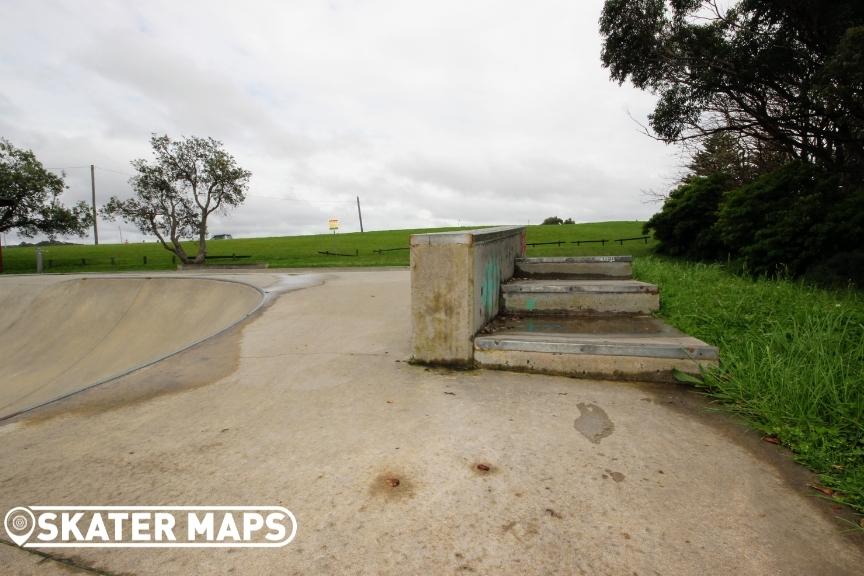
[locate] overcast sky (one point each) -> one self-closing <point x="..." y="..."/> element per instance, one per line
<point x="434" y="113"/>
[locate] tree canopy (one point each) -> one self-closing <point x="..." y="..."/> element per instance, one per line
<point x="175" y="194"/>
<point x="785" y="72"/>
<point x="29" y="196"/>
<point x="553" y="220"/>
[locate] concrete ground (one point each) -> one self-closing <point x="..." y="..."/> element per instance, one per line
<point x="310" y="404"/>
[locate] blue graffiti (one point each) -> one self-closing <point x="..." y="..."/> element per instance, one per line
<point x="490" y="288"/>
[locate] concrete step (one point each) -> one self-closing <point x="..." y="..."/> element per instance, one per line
<point x="568" y="296"/>
<point x="584" y="267"/>
<point x="638" y="348"/>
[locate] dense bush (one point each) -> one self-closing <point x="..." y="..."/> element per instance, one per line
<point x="769" y="223"/>
<point x="685" y="226"/>
<point x="797" y="220"/>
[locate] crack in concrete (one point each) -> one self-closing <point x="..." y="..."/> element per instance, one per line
<point x="60" y="560"/>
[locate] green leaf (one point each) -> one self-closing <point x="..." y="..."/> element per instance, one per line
<point x="686" y="378"/>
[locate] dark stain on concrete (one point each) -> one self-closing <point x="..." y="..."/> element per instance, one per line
<point x="551" y="512"/>
<point x="484" y="468"/>
<point x="391" y="485"/>
<point x="616" y="476"/>
<point x="593" y="422"/>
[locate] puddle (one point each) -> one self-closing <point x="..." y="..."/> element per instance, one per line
<point x="635" y="325"/>
<point x="593" y="422"/>
<point x="290" y="282"/>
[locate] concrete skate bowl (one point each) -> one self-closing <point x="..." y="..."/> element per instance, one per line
<point x="59" y="338"/>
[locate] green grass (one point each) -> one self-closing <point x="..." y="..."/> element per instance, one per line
<point x="302" y="251"/>
<point x="792" y="359"/>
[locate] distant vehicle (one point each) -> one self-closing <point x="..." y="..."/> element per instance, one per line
<point x="221" y="237"/>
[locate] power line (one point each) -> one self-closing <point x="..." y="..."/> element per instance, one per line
<point x="291" y="199"/>
<point x="114" y="171"/>
<point x="88" y="166"/>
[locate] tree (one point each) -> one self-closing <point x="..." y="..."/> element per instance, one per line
<point x="175" y="194"/>
<point x="568" y="221"/>
<point x="784" y="72"/>
<point x="29" y="198"/>
<point x="685" y="226"/>
<point x="777" y="223"/>
<point x="771" y="92"/>
<point x="553" y="220"/>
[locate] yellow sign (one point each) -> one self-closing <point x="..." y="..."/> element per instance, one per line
<point x="334" y="224"/>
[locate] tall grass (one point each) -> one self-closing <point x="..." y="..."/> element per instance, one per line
<point x="792" y="359"/>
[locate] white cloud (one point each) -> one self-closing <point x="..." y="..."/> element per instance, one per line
<point x="433" y="113"/>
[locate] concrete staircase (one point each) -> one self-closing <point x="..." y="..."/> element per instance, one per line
<point x="586" y="317"/>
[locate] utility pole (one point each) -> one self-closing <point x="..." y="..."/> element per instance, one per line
<point x="359" y="214"/>
<point x="93" y="190"/>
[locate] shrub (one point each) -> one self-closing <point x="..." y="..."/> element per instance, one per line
<point x="685" y="225"/>
<point x="797" y="220"/>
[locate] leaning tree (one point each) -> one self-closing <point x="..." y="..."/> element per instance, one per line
<point x="29" y="198"/>
<point x="176" y="193"/>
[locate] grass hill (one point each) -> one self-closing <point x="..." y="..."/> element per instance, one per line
<point x="353" y="249"/>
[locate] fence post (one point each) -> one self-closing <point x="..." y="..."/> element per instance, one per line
<point x="83" y="261"/>
<point x="38" y="260"/>
<point x="145" y="260"/>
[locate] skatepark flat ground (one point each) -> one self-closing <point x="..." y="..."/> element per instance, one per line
<point x="309" y="403"/>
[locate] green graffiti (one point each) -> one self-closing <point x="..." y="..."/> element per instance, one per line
<point x="490" y="288"/>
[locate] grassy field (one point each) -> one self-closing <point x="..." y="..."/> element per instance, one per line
<point x="303" y="251"/>
<point x="792" y="360"/>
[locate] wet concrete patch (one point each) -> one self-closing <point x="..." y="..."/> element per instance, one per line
<point x="616" y="476"/>
<point x="593" y="422"/>
<point x="634" y="324"/>
<point x="201" y="365"/>
<point x="699" y="406"/>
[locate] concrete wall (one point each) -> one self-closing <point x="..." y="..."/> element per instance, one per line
<point x="456" y="288"/>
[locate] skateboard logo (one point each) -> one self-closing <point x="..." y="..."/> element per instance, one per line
<point x="150" y="526"/>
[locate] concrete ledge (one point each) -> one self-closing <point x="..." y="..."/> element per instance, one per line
<point x="581" y="303"/>
<point x="592" y="366"/>
<point x="574" y="260"/>
<point x="455" y="288"/>
<point x="580" y="297"/>
<point x="571" y="286"/>
<point x="583" y="267"/>
<point x="677" y="347"/>
<point x="466" y="237"/>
